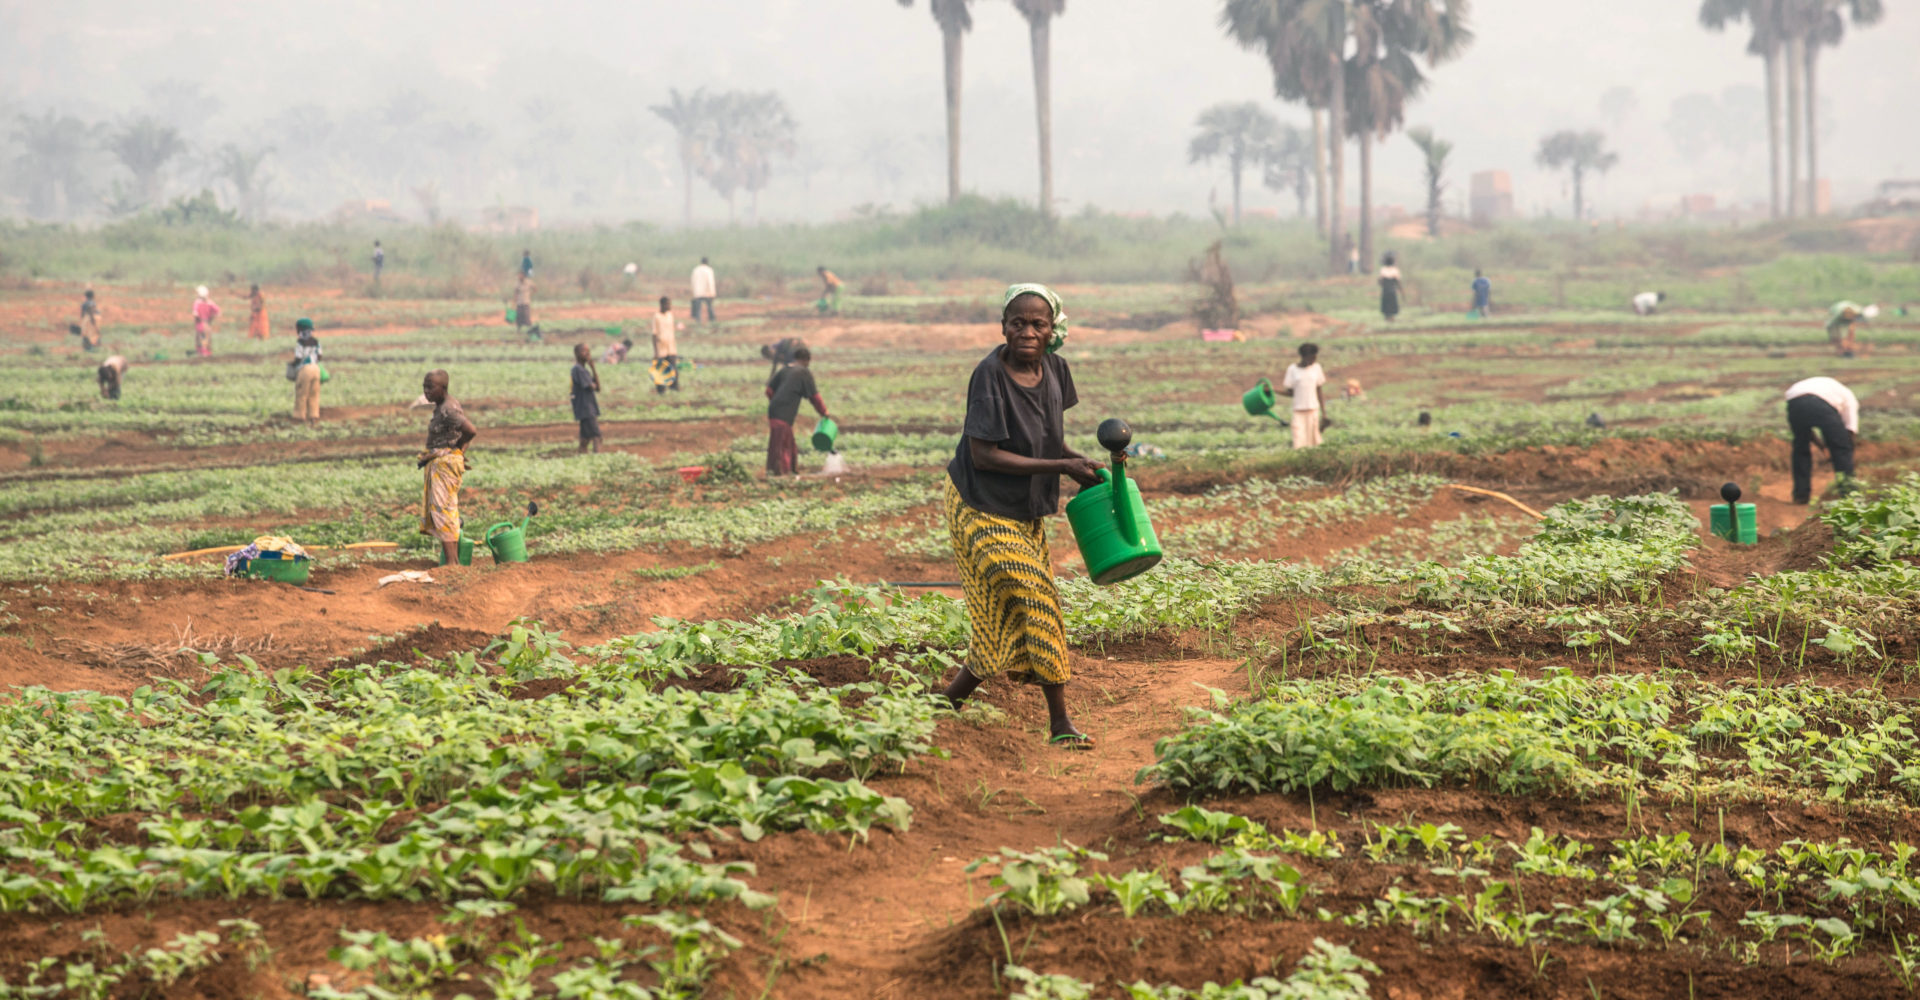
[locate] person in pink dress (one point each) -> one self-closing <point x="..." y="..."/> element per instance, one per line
<point x="204" y="313"/>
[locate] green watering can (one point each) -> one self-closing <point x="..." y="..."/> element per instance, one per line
<point x="1259" y="401"/>
<point x="508" y="542"/>
<point x="1109" y="519"/>
<point x="825" y="433"/>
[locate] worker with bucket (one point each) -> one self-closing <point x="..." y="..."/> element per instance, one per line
<point x="785" y="390"/>
<point x="1002" y="484"/>
<point x="445" y="464"/>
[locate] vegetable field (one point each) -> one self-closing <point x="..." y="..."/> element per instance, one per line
<point x="1362" y="734"/>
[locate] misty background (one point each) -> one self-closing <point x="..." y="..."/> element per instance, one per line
<point x="508" y="104"/>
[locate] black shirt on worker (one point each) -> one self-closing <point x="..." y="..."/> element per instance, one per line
<point x="1025" y="421"/>
<point x="790" y="385"/>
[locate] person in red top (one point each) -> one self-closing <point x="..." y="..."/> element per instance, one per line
<point x="785" y="390"/>
<point x="204" y="313"/>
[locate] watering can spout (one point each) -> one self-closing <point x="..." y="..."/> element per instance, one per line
<point x="1114" y="435"/>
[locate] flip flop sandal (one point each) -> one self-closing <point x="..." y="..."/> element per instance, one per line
<point x="1072" y="741"/>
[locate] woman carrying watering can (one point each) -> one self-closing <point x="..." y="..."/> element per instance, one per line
<point x="1003" y="481"/>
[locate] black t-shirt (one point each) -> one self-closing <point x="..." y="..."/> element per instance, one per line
<point x="1029" y="422"/>
<point x="790" y="385"/>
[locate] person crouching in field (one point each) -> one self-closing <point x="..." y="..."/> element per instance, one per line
<point x="785" y="390"/>
<point x="1303" y="381"/>
<point x="445" y="462"/>
<point x="204" y="313"/>
<point x="1840" y="322"/>
<point x="1003" y="482"/>
<point x="1823" y="404"/>
<point x="586" y="401"/>
<point x="306" y="374"/>
<point x="111" y="371"/>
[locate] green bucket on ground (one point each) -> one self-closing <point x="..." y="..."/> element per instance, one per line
<point x="1259" y="400"/>
<point x="1721" y="522"/>
<point x="825" y="434"/>
<point x="283" y="570"/>
<point x="509" y="543"/>
<point x="1110" y="524"/>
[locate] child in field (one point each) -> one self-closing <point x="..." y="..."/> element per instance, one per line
<point x="1303" y="381"/>
<point x="585" y="388"/>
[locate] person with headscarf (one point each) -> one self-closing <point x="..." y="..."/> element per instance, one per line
<point x="445" y="464"/>
<point x="1389" y="288"/>
<point x="1003" y="482"/>
<point x="89" y="322"/>
<point x="306" y="373"/>
<point x="785" y="391"/>
<point x="257" y="315"/>
<point x="204" y="313"/>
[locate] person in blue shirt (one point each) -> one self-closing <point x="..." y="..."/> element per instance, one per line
<point x="526" y="263"/>
<point x="1482" y="296"/>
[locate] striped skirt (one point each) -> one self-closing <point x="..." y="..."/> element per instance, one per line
<point x="1012" y="603"/>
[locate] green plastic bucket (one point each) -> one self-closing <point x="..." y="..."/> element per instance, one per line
<point x="825" y="434"/>
<point x="1719" y="523"/>
<point x="1116" y="540"/>
<point x="283" y="570"/>
<point x="509" y="543"/>
<point x="1259" y="400"/>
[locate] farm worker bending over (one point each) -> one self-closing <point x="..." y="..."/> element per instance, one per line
<point x="523" y="307"/>
<point x="830" y="291"/>
<point x="780" y="352"/>
<point x="110" y="373"/>
<point x="445" y="462"/>
<point x="204" y="313"/>
<point x="1822" y="403"/>
<point x="1303" y="381"/>
<point x="1646" y="302"/>
<point x="586" y="404"/>
<point x="785" y="390"/>
<point x="89" y="322"/>
<point x="617" y="353"/>
<point x="704" y="289"/>
<point x="256" y="315"/>
<point x="1002" y="484"/>
<point x="1389" y="288"/>
<point x="306" y="376"/>
<point x="1840" y="321"/>
<point x="1482" y="296"/>
<point x="666" y="350"/>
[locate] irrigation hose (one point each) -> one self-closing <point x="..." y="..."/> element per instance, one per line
<point x="1496" y="494"/>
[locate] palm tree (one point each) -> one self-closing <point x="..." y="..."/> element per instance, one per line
<point x="1579" y="152"/>
<point x="1824" y="27"/>
<point x="1289" y="165"/>
<point x="955" y="21"/>
<point x="1435" y="151"/>
<point x="1040" y="15"/>
<point x="1766" y="19"/>
<point x="242" y="172"/>
<point x="54" y="150"/>
<point x="753" y="128"/>
<point x="145" y="147"/>
<point x="1244" y="133"/>
<point x="1305" y="43"/>
<point x="692" y="118"/>
<point x="1383" y="74"/>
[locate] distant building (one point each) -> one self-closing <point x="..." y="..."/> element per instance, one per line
<point x="366" y="210"/>
<point x="1492" y="199"/>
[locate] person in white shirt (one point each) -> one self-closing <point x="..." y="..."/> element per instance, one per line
<point x="666" y="350"/>
<point x="1303" y="382"/>
<point x="1822" y="403"/>
<point x="703" y="289"/>
<point x="1646" y="302"/>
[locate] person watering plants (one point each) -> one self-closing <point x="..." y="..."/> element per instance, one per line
<point x="306" y="373"/>
<point x="1840" y="321"/>
<point x="1823" y="404"/>
<point x="1002" y="483"/>
<point x="204" y="313"/>
<point x="829" y="291"/>
<point x="785" y="390"/>
<point x="1303" y="381"/>
<point x="585" y="383"/>
<point x="445" y="462"/>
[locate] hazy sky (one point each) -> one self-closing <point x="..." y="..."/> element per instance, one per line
<point x="864" y="80"/>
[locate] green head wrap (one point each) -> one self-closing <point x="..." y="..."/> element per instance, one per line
<point x="1059" y="311"/>
<point x="303" y="326"/>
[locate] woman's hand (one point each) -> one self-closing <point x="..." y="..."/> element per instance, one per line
<point x="1081" y="469"/>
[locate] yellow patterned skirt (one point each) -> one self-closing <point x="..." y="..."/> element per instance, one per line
<point x="440" y="501"/>
<point x="1012" y="603"/>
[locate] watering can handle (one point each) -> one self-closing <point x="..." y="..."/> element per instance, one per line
<point x="491" y="531"/>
